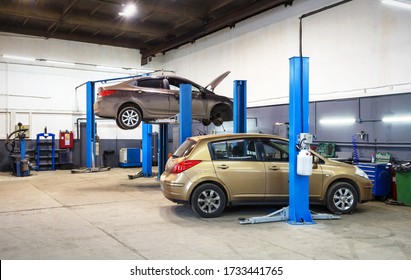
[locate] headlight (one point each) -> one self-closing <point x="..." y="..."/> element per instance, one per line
<point x="360" y="172"/>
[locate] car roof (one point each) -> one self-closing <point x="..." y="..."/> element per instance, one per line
<point x="229" y="136"/>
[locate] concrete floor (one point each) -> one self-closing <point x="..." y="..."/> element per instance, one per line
<point x="58" y="215"/>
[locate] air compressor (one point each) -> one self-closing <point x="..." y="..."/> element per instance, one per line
<point x="20" y="165"/>
<point x="304" y="157"/>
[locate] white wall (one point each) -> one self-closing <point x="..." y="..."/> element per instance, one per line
<point x="361" y="48"/>
<point x="44" y="95"/>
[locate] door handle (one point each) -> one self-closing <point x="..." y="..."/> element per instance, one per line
<point x="273" y="167"/>
<point x="223" y="166"/>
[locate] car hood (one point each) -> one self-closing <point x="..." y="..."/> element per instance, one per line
<point x="217" y="81"/>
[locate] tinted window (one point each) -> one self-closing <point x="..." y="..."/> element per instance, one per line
<point x="185" y="148"/>
<point x="150" y="83"/>
<point x="275" y="150"/>
<point x="239" y="149"/>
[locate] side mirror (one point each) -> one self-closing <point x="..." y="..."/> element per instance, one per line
<point x="315" y="162"/>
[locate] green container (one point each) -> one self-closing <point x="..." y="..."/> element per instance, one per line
<point x="403" y="181"/>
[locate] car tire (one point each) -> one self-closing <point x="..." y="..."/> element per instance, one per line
<point x="129" y="117"/>
<point x="206" y="122"/>
<point x="119" y="124"/>
<point x="342" y="198"/>
<point x="208" y="200"/>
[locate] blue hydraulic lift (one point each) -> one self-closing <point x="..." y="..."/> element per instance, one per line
<point x="91" y="122"/>
<point x="240" y="106"/>
<point x="298" y="212"/>
<point x="185" y="119"/>
<point x="185" y="122"/>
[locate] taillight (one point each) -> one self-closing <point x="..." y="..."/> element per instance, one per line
<point x="184" y="165"/>
<point x="106" y="92"/>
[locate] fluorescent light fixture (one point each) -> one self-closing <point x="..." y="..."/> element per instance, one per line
<point x="141" y="70"/>
<point x="110" y="68"/>
<point x="337" y="121"/>
<point x="397" y="119"/>
<point x="129" y="10"/>
<point x="19" y="57"/>
<point x="60" y="62"/>
<point x="406" y="4"/>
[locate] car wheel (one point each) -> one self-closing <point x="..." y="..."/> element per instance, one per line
<point x="342" y="198"/>
<point x="206" y="122"/>
<point x="208" y="200"/>
<point x="129" y="117"/>
<point x="119" y="124"/>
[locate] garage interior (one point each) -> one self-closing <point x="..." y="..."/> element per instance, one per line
<point x="360" y="57"/>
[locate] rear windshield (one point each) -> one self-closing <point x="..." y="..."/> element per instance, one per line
<point x="185" y="148"/>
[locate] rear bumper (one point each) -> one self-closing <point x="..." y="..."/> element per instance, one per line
<point x="174" y="187"/>
<point x="105" y="109"/>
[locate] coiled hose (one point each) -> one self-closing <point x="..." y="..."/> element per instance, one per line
<point x="354" y="147"/>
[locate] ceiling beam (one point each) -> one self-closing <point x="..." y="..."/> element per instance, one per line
<point x="81" y="20"/>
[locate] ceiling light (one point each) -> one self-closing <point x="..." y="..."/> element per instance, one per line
<point x="397" y="119"/>
<point x="18" y="57"/>
<point x="60" y="62"/>
<point x="337" y="121"/>
<point x="128" y="10"/>
<point x="398" y="3"/>
<point x="109" y="68"/>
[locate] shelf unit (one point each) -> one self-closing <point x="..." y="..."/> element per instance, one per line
<point x="45" y="151"/>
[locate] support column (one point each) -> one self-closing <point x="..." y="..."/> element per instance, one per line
<point x="147" y="169"/>
<point x="299" y="212"/>
<point x="90" y="125"/>
<point x="240" y="106"/>
<point x="162" y="149"/>
<point x="186" y="115"/>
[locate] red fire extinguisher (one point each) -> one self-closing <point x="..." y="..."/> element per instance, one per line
<point x="66" y="139"/>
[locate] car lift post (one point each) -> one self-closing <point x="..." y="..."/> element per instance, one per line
<point x="186" y="115"/>
<point x="147" y="169"/>
<point x="162" y="148"/>
<point x="298" y="212"/>
<point x="240" y="106"/>
<point x="90" y="126"/>
<point x="90" y="132"/>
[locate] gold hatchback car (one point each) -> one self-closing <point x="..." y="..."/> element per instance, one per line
<point x="212" y="172"/>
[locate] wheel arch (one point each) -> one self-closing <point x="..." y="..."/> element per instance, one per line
<point x="129" y="103"/>
<point x="222" y="107"/>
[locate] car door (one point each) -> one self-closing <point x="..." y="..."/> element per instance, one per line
<point x="153" y="97"/>
<point x="239" y="169"/>
<point x="199" y="102"/>
<point x="316" y="179"/>
<point x="275" y="153"/>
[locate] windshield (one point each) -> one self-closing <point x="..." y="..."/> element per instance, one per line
<point x="185" y="148"/>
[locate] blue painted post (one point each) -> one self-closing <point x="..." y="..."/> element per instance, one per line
<point x="22" y="149"/>
<point x="186" y="116"/>
<point x="90" y="125"/>
<point x="147" y="144"/>
<point x="240" y="106"/>
<point x="162" y="149"/>
<point x="299" y="212"/>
